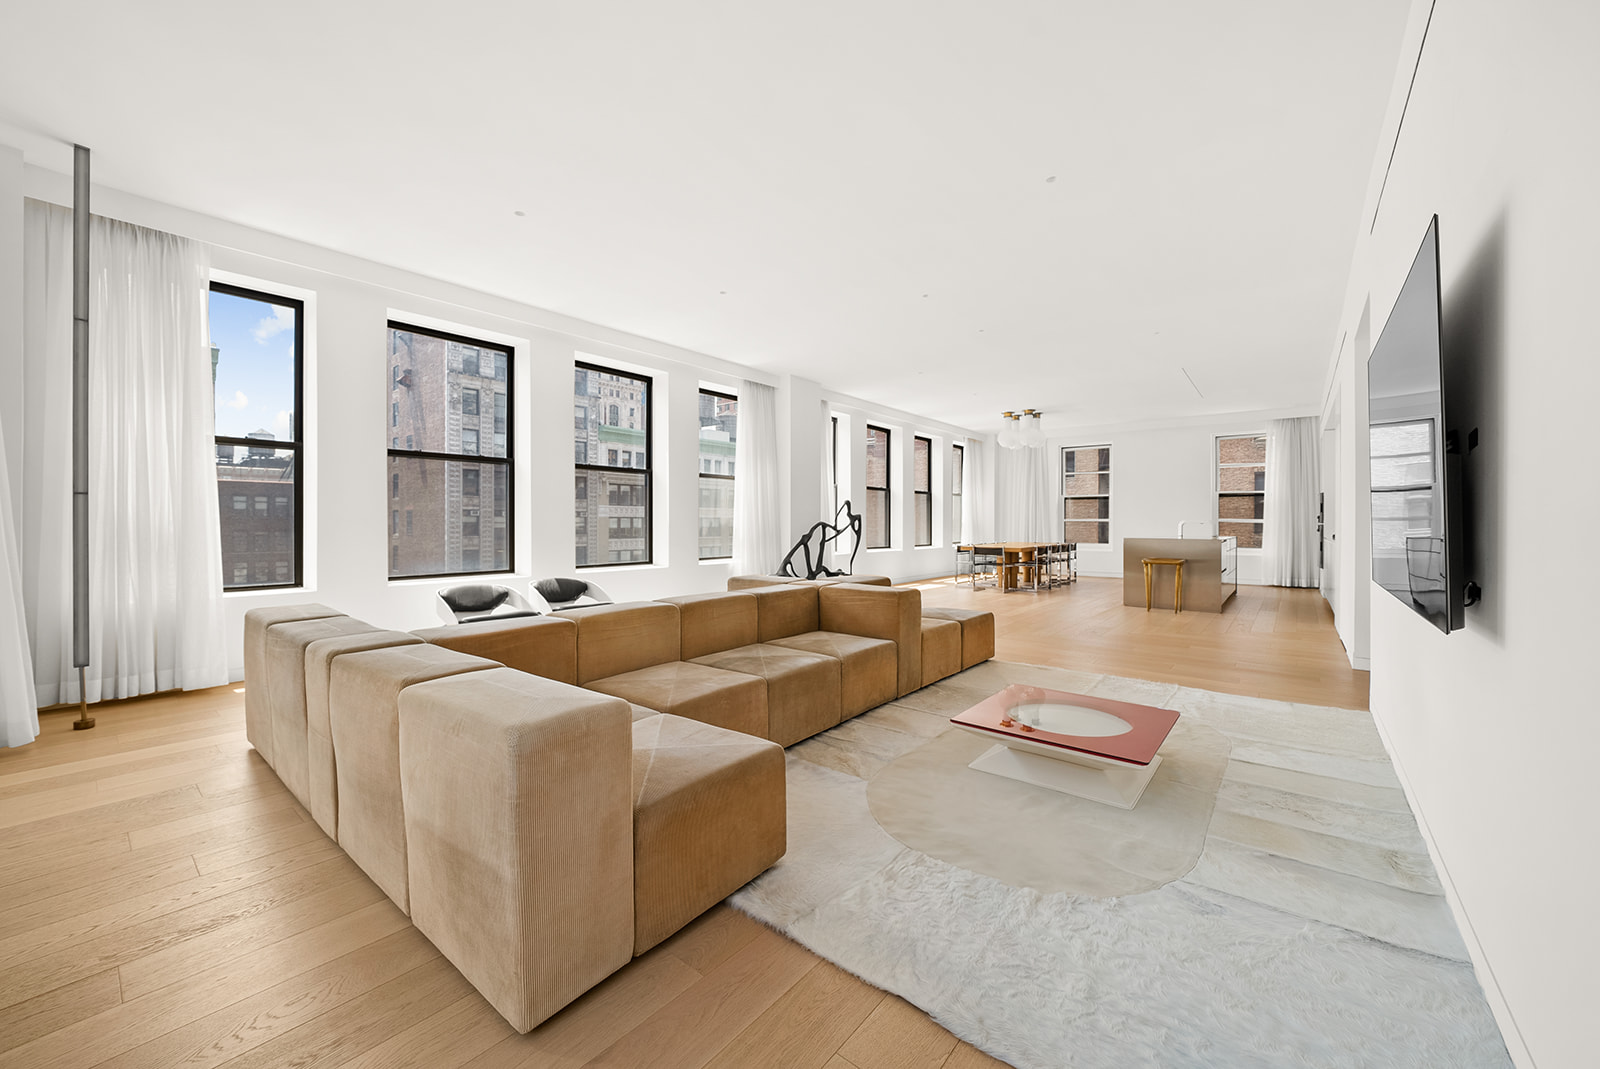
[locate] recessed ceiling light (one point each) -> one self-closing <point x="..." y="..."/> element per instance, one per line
<point x="723" y="292"/>
<point x="519" y="213"/>
<point x="1052" y="178"/>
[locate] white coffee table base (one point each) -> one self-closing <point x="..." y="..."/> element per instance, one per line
<point x="1099" y="779"/>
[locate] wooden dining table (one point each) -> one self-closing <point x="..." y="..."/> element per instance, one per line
<point x="1015" y="558"/>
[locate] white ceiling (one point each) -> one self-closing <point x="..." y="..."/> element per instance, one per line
<point x="950" y="208"/>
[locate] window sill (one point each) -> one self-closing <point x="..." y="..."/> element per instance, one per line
<point x="268" y="592"/>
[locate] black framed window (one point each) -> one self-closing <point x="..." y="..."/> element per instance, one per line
<point x="612" y="416"/>
<point x="719" y="438"/>
<point x="449" y="391"/>
<point x="257" y="359"/>
<point x="922" y="488"/>
<point x="1242" y="488"/>
<point x="1086" y="494"/>
<point x="958" y="473"/>
<point x="833" y="459"/>
<point x="876" y="514"/>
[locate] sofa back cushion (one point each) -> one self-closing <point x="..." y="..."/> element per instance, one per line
<point x="893" y="613"/>
<point x="785" y="611"/>
<point x="613" y="639"/>
<point x="540" y="645"/>
<point x="712" y="623"/>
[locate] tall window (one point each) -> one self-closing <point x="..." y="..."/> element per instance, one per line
<point x="922" y="488"/>
<point x="1242" y="488"/>
<point x="256" y="360"/>
<point x="612" y="417"/>
<point x="453" y="477"/>
<point x="876" y="515"/>
<point x="833" y="459"/>
<point x="958" y="472"/>
<point x="719" y="435"/>
<point x="1086" y="494"/>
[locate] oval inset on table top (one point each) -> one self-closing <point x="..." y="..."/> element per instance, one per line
<point x="1071" y="720"/>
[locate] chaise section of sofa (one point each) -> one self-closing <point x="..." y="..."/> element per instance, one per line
<point x="519" y="824"/>
<point x="539" y="833"/>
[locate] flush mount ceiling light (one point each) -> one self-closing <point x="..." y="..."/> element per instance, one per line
<point x="1020" y="430"/>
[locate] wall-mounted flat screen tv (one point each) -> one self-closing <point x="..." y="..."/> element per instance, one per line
<point x="1416" y="541"/>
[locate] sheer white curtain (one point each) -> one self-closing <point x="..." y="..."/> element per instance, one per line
<point x="977" y="495"/>
<point x="757" y="515"/>
<point x="1289" y="530"/>
<point x="19" y="717"/>
<point x="155" y="556"/>
<point x="1027" y="507"/>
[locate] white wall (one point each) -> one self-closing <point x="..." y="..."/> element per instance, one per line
<point x="902" y="560"/>
<point x="1161" y="474"/>
<point x="348" y="303"/>
<point x="1494" y="729"/>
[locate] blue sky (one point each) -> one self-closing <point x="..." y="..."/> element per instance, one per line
<point x="255" y="371"/>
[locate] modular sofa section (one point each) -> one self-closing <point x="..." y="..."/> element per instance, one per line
<point x="544" y="646"/>
<point x="257" y="701"/>
<point x="708" y="817"/>
<point x="891" y="614"/>
<point x="322" y="766"/>
<point x="519" y="832"/>
<point x="363" y="700"/>
<point x="286" y="690"/>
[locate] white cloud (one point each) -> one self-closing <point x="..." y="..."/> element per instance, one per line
<point x="239" y="400"/>
<point x="282" y="319"/>
<point x="282" y="427"/>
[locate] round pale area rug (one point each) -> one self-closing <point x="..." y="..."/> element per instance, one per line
<point x="1029" y="836"/>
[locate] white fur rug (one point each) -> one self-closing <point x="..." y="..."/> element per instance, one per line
<point x="1309" y="933"/>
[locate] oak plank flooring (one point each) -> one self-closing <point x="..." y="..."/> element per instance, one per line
<point x="169" y="903"/>
<point x="1268" y="642"/>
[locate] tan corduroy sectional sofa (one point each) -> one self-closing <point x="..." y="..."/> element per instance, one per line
<point x="547" y="797"/>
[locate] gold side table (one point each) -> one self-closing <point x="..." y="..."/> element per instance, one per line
<point x="1150" y="564"/>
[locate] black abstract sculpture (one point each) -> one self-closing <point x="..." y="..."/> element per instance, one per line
<point x="816" y="540"/>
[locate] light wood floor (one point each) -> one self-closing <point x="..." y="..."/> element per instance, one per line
<point x="167" y="902"/>
<point x="1269" y="642"/>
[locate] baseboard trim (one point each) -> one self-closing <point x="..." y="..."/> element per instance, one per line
<point x="1509" y="1032"/>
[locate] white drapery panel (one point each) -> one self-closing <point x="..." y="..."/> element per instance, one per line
<point x="977" y="493"/>
<point x="757" y="513"/>
<point x="19" y="715"/>
<point x="1027" y="511"/>
<point x="1289" y="530"/>
<point x="155" y="555"/>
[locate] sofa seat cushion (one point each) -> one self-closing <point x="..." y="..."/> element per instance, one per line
<point x="363" y="703"/>
<point x="868" y="667"/>
<point x="285" y="684"/>
<point x="977" y="632"/>
<point x="539" y="645"/>
<point x="941" y="649"/>
<point x="730" y="700"/>
<point x="708" y="817"/>
<point x="257" y="704"/>
<point x="322" y="776"/>
<point x="803" y="689"/>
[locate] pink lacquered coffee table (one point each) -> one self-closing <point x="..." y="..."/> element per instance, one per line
<point x="1094" y="748"/>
